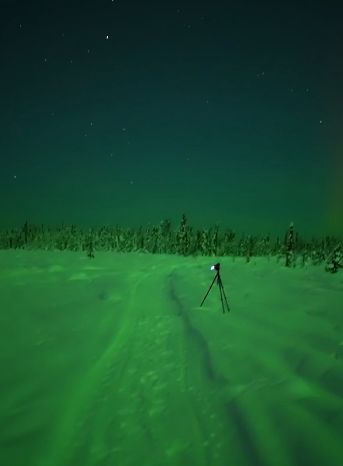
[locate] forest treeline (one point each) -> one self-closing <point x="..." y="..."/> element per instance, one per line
<point x="183" y="240"/>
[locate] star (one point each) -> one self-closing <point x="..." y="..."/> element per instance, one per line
<point x="107" y="37"/>
<point x="15" y="177"/>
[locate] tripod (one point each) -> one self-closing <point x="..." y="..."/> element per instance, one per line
<point x="217" y="278"/>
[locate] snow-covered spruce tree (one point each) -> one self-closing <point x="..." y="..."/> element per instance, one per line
<point x="251" y="247"/>
<point x="182" y="237"/>
<point x="214" y="240"/>
<point x="205" y="245"/>
<point x="335" y="259"/>
<point x="89" y="244"/>
<point x="290" y="246"/>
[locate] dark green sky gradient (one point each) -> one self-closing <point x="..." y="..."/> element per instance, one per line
<point x="227" y="113"/>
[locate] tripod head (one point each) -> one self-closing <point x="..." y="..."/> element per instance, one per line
<point x="216" y="267"/>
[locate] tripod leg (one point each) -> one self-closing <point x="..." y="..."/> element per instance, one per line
<point x="221" y="298"/>
<point x="202" y="302"/>
<point x="223" y="295"/>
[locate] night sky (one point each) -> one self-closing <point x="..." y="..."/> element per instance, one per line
<point x="128" y="112"/>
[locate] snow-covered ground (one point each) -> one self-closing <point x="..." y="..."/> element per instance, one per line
<point x="112" y="361"/>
